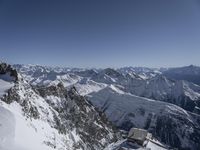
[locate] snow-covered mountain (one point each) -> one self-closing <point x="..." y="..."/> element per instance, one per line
<point x="143" y="72"/>
<point x="139" y="97"/>
<point x="48" y="118"/>
<point x="182" y="93"/>
<point x="190" y="73"/>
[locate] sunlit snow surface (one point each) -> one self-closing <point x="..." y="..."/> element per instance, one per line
<point x="17" y="133"/>
<point x="4" y="86"/>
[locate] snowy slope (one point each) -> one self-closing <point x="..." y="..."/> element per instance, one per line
<point x="7" y="130"/>
<point x="169" y="123"/>
<point x="26" y="134"/>
<point x="5" y="85"/>
<point x="87" y="86"/>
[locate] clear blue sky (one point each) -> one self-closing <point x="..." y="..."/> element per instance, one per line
<point x="100" y="33"/>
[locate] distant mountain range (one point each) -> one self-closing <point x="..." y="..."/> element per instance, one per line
<point x="189" y="73"/>
<point x="144" y="82"/>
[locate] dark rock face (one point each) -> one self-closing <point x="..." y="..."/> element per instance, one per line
<point x="58" y="90"/>
<point x="166" y="129"/>
<point x="9" y="74"/>
<point x="13" y="94"/>
<point x="183" y="101"/>
<point x="187" y="103"/>
<point x="164" y="124"/>
<point x="86" y="73"/>
<point x="189" y="73"/>
<point x="107" y="75"/>
<point x="191" y="78"/>
<point x="7" y="69"/>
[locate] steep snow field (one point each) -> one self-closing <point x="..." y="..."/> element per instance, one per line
<point x="89" y="86"/>
<point x="19" y="134"/>
<point x="7" y="128"/>
<point x="22" y="133"/>
<point x="4" y="86"/>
